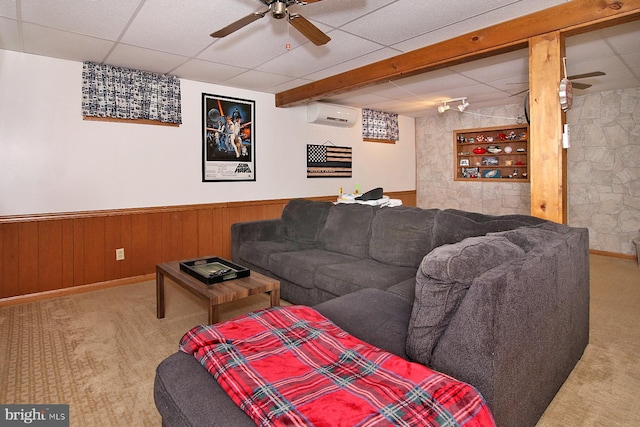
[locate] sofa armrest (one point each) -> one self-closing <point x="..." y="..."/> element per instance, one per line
<point x="521" y="328"/>
<point x="266" y="229"/>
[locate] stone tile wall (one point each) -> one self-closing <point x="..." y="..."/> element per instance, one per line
<point x="603" y="167"/>
<point x="434" y="156"/>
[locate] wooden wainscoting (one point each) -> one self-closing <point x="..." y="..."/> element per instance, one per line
<point x="44" y="253"/>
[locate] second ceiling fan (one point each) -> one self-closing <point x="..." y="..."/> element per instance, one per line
<point x="280" y="9"/>
<point x="576" y="85"/>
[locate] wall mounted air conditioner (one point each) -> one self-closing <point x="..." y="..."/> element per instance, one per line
<point x="321" y="113"/>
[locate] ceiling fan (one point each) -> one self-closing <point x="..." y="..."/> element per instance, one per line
<point x="576" y="85"/>
<point x="279" y="9"/>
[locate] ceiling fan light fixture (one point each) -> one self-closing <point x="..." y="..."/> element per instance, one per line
<point x="278" y="9"/>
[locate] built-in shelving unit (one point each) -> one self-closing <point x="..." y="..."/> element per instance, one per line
<point x="499" y="153"/>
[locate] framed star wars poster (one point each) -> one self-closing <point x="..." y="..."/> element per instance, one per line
<point x="228" y="139"/>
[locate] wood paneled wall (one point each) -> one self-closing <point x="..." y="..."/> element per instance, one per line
<point x="41" y="253"/>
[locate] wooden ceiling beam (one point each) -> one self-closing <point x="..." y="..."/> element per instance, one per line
<point x="573" y="17"/>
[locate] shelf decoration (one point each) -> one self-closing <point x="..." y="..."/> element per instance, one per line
<point x="378" y="126"/>
<point x="499" y="153"/>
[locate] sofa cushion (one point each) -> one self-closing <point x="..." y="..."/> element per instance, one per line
<point x="442" y="281"/>
<point x="344" y="278"/>
<point x="452" y="225"/>
<point x="299" y="267"/>
<point x="348" y="229"/>
<point x="405" y="289"/>
<point x="402" y="235"/>
<point x="304" y="219"/>
<point x="530" y="237"/>
<point x="373" y="316"/>
<point x="257" y="252"/>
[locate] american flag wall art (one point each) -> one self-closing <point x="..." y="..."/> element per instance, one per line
<point x="328" y="161"/>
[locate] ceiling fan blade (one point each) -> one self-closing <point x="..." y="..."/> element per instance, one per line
<point x="310" y="1"/>
<point x="577" y="85"/>
<point x="584" y="76"/>
<point x="235" y="26"/>
<point x="308" y="30"/>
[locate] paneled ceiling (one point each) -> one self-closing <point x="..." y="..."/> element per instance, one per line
<point x="172" y="37"/>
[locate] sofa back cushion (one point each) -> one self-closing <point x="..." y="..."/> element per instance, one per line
<point x="530" y="237"/>
<point x="442" y="281"/>
<point x="402" y="235"/>
<point x="452" y="225"/>
<point x="303" y="219"/>
<point x="348" y="229"/>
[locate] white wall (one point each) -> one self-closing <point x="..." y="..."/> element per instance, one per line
<point x="53" y="161"/>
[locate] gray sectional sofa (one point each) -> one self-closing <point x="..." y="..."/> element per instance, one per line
<point x="500" y="302"/>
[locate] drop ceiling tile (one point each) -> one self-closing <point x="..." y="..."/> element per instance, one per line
<point x="309" y="58"/>
<point x="8" y="9"/>
<point x="434" y="81"/>
<point x="410" y="19"/>
<point x="607" y="64"/>
<point x="204" y="71"/>
<point x="357" y="99"/>
<point x="496" y="67"/>
<point x="359" y="61"/>
<point x="144" y="59"/>
<point x="256" y="80"/>
<point x="586" y="47"/>
<point x="101" y="19"/>
<point x="349" y="10"/>
<point x="160" y="34"/>
<point x="623" y="38"/>
<point x="10" y="35"/>
<point x="39" y="40"/>
<point x="613" y="84"/>
<point x="293" y="83"/>
<point x="182" y="32"/>
<point x="254" y="45"/>
<point x="438" y="31"/>
<point x="631" y="59"/>
<point x="404" y="109"/>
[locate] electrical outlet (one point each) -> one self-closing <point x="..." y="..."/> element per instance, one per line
<point x="119" y="254"/>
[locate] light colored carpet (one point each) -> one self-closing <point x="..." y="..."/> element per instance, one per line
<point x="98" y="351"/>
<point x="604" y="387"/>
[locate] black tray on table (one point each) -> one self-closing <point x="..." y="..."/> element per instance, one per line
<point x="213" y="270"/>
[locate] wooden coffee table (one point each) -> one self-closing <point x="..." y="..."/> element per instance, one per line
<point x="218" y="293"/>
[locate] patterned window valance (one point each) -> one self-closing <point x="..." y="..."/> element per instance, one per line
<point x="123" y="93"/>
<point x="379" y="126"/>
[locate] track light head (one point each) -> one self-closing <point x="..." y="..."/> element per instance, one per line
<point x="445" y="104"/>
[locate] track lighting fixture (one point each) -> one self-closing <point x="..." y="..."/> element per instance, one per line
<point x="445" y="104"/>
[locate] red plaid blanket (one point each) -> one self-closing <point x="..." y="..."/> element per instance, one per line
<point x="292" y="366"/>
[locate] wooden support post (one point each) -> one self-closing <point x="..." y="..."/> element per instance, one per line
<point x="547" y="158"/>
